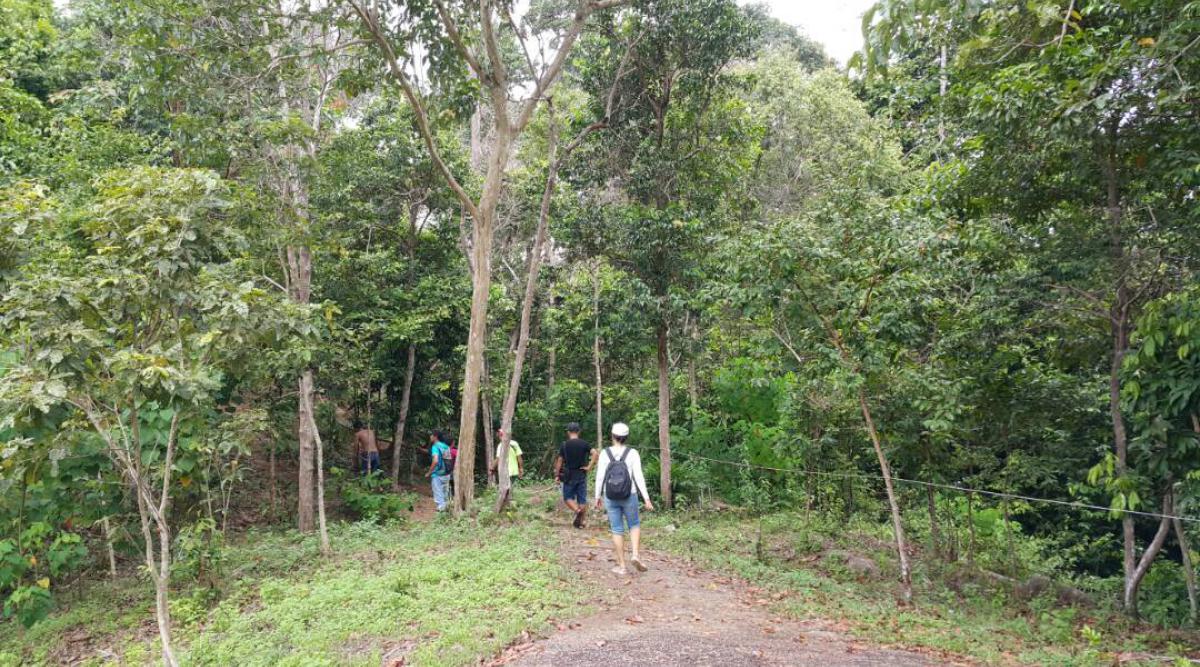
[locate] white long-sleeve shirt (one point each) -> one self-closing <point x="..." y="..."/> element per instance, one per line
<point x="632" y="461"/>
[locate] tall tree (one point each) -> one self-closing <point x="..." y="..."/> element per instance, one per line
<point x="449" y="32"/>
<point x="679" y="144"/>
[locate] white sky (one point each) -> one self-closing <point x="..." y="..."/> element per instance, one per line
<point x="836" y="24"/>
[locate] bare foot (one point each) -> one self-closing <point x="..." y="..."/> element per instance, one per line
<point x="620" y="571"/>
<point x="639" y="565"/>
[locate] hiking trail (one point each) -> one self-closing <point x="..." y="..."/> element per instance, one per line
<point x="680" y="614"/>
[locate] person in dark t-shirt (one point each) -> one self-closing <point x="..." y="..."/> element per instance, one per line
<point x="575" y="458"/>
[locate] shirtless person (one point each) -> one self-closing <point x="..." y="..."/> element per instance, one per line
<point x="366" y="448"/>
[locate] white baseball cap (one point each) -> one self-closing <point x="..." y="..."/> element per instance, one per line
<point x="620" y="429"/>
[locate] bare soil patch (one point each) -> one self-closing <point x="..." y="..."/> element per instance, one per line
<point x="678" y="614"/>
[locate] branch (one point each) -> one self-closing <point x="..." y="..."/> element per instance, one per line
<point x="1066" y="21"/>
<point x="418" y="107"/>
<point x="533" y="75"/>
<point x="172" y="437"/>
<point x="622" y="70"/>
<point x="499" y="76"/>
<point x="560" y="58"/>
<point x="787" y="344"/>
<point x="457" y="40"/>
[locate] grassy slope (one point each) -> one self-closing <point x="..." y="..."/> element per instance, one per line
<point x="449" y="592"/>
<point x="453" y="590"/>
<point x="975" y="619"/>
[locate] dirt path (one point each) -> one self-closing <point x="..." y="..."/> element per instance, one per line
<point x="677" y="614"/>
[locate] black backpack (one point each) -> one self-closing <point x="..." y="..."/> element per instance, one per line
<point x="617" y="482"/>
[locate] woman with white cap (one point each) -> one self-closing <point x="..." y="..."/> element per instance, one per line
<point x="619" y="482"/>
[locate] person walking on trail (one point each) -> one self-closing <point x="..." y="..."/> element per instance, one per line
<point x="516" y="459"/>
<point x="366" y="448"/>
<point x="439" y="470"/>
<point x="575" y="459"/>
<point x="619" y="482"/>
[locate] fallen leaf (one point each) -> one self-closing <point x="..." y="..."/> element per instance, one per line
<point x="633" y="620"/>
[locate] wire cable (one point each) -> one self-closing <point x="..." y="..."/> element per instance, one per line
<point x="951" y="487"/>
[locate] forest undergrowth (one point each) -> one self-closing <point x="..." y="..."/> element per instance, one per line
<point x="457" y="591"/>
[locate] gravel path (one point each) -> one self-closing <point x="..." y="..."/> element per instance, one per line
<point x="676" y="614"/>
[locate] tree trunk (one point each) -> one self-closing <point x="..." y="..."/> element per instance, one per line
<point x="325" y="548"/>
<point x="893" y="503"/>
<point x="481" y="283"/>
<point x="971" y="529"/>
<point x="162" y="582"/>
<point x="402" y="421"/>
<point x="274" y="484"/>
<point x="305" y="518"/>
<point x="935" y="538"/>
<point x="1134" y="581"/>
<point x="489" y="427"/>
<point x="509" y="408"/>
<point x="693" y="383"/>
<point x="596" y="355"/>
<point x="106" y="525"/>
<point x="1012" y="550"/>
<point x="1189" y="569"/>
<point x="1119" y="326"/>
<point x="664" y="415"/>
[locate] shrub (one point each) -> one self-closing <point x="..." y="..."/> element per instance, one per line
<point x="371" y="499"/>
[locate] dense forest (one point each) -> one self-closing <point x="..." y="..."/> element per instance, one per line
<point x="949" y="290"/>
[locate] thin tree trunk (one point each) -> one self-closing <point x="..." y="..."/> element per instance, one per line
<point x="489" y="426"/>
<point x="935" y="538"/>
<point x="664" y="415"/>
<point x="893" y="503"/>
<point x="1134" y="582"/>
<point x="551" y="370"/>
<point x="1012" y="550"/>
<point x="1189" y="569"/>
<point x="596" y="355"/>
<point x="325" y="548"/>
<point x="693" y="383"/>
<point x="106" y="525"/>
<point x="321" y="493"/>
<point x="162" y="580"/>
<point x="305" y="518"/>
<point x="509" y="408"/>
<point x="274" y="484"/>
<point x="971" y="528"/>
<point x="943" y="82"/>
<point x="1119" y="327"/>
<point x="410" y="368"/>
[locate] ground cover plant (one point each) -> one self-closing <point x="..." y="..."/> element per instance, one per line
<point x="415" y="592"/>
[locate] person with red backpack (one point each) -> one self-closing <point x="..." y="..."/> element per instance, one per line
<point x="619" y="481"/>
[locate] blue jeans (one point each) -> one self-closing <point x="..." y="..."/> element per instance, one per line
<point x="575" y="489"/>
<point x="622" y="513"/>
<point x="369" y="462"/>
<point x="441" y="491"/>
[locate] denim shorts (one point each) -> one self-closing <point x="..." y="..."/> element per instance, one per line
<point x="622" y="513"/>
<point x="576" y="490"/>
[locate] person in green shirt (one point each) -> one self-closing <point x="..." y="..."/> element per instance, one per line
<point x="516" y="458"/>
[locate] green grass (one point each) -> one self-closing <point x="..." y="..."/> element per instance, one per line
<point x="954" y="612"/>
<point x="445" y="593"/>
